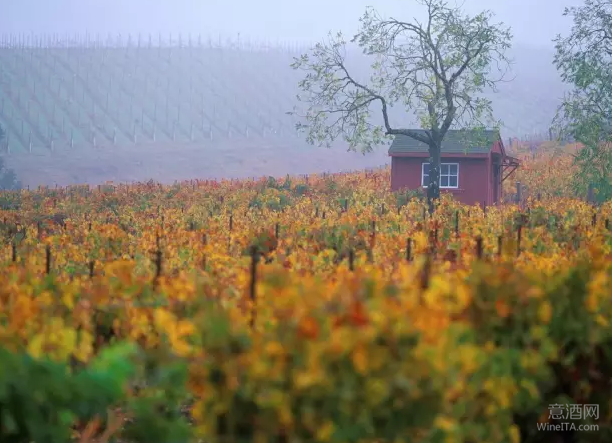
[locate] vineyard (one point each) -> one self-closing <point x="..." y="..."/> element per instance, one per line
<point x="69" y="94"/>
<point x="319" y="308"/>
<point x="65" y="97"/>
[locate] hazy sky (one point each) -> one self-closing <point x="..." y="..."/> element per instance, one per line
<point x="534" y="22"/>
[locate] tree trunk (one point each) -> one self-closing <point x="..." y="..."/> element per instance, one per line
<point x="433" y="187"/>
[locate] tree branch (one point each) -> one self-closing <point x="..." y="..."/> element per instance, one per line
<point x="436" y="70"/>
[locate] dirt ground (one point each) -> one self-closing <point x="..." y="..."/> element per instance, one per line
<point x="183" y="161"/>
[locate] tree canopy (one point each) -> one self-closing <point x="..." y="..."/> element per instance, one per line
<point x="584" y="60"/>
<point x="436" y="69"/>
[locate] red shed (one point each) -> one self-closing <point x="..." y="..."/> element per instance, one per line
<point x="473" y="171"/>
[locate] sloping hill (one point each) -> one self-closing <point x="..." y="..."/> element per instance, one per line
<point x="107" y="95"/>
<point x="226" y="101"/>
<point x="61" y="97"/>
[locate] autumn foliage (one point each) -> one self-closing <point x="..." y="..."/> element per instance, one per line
<point x="319" y="309"/>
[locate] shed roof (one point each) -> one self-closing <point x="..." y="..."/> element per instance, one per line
<point x="455" y="141"/>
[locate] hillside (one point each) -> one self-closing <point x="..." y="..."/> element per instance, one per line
<point x="118" y="96"/>
<point x="225" y="102"/>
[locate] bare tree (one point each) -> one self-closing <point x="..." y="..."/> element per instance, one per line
<point x="436" y="69"/>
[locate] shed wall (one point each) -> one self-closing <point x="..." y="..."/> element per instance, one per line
<point x="474" y="177"/>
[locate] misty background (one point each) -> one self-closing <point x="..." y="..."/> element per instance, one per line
<point x="534" y="22"/>
<point x="254" y="81"/>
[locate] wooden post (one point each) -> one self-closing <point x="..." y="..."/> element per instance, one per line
<point x="253" y="282"/>
<point x="479" y="247"/>
<point x="499" y="246"/>
<point x="425" y="273"/>
<point x="373" y="224"/>
<point x="351" y="259"/>
<point x="591" y="194"/>
<point x="14" y="251"/>
<point x="48" y="260"/>
<point x="91" y="269"/>
<point x="457" y="223"/>
<point x="277" y="230"/>
<point x="158" y="264"/>
<point x="518" y="193"/>
<point x="409" y="250"/>
<point x="594" y="221"/>
<point x="607" y="224"/>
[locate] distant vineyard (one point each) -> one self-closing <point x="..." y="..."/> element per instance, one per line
<point x="52" y="97"/>
<point x="61" y="93"/>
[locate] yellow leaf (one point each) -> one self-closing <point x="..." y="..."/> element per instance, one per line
<point x="545" y="312"/>
<point x="35" y="347"/>
<point x="326" y="431"/>
<point x="164" y="319"/>
<point x="304" y="380"/>
<point x="69" y="342"/>
<point x="84" y="350"/>
<point x="185" y="327"/>
<point x="444" y="423"/>
<point x="360" y="359"/>
<point x="274" y="348"/>
<point x="515" y="435"/>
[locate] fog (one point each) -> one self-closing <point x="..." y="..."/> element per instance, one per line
<point x="248" y="90"/>
<point x="535" y="22"/>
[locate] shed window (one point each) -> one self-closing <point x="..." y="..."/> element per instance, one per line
<point x="449" y="175"/>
